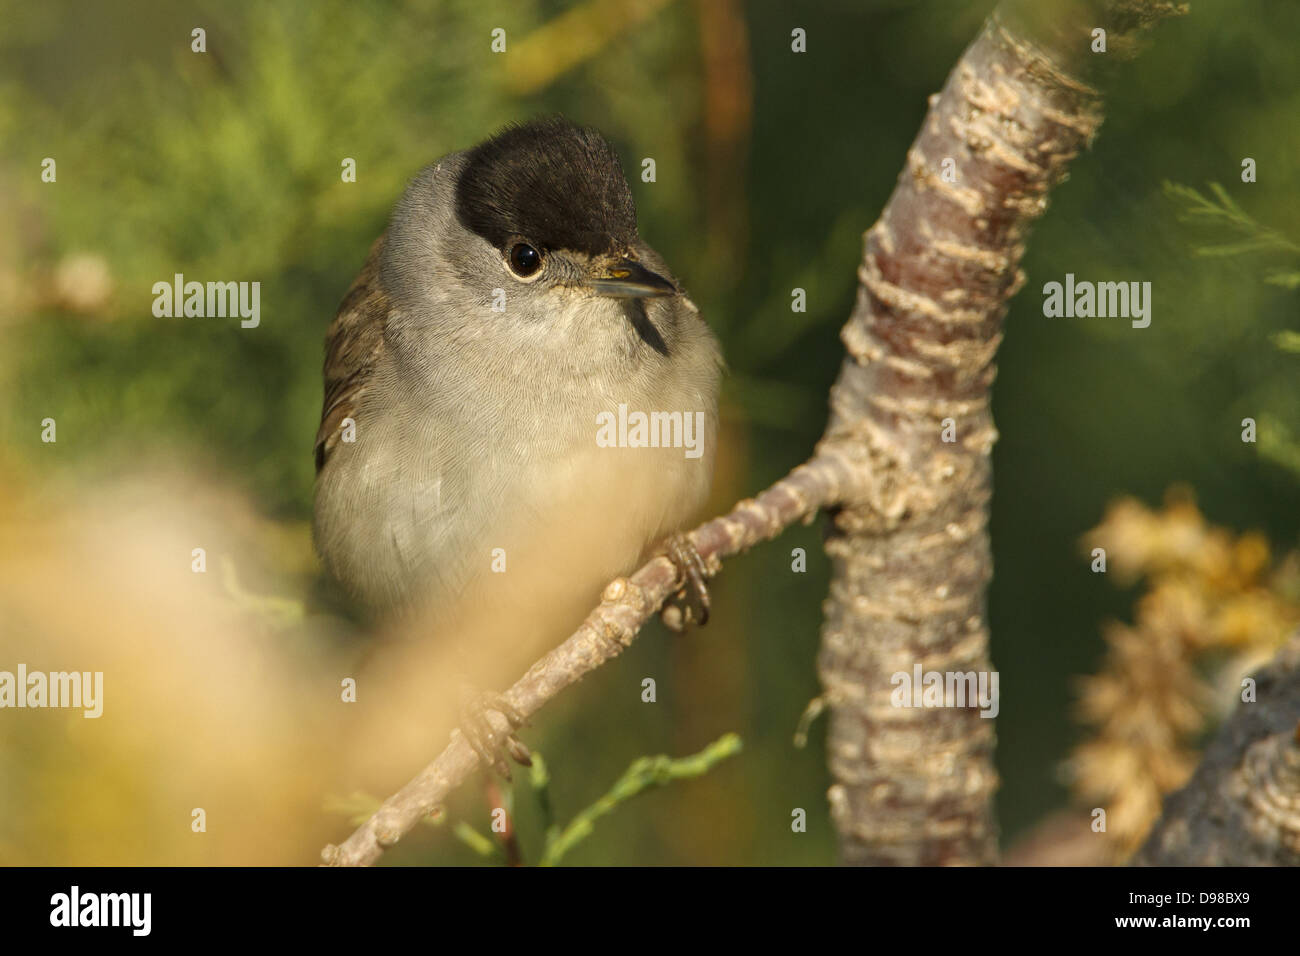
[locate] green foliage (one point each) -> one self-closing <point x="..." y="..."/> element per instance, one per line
<point x="226" y="165"/>
<point x="1221" y="214"/>
<point x="644" y="774"/>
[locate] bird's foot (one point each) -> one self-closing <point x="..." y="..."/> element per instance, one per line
<point x="692" y="598"/>
<point x="489" y="743"/>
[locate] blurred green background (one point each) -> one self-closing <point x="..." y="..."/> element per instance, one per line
<point x="770" y="165"/>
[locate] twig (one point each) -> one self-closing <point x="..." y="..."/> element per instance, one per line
<point x="508" y="838"/>
<point x="830" y="477"/>
<point x="572" y="38"/>
<point x="644" y="773"/>
<point x="539" y="778"/>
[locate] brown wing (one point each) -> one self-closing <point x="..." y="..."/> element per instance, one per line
<point x="353" y="344"/>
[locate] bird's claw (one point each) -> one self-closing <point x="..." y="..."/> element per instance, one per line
<point x="693" y="594"/>
<point x="491" y="746"/>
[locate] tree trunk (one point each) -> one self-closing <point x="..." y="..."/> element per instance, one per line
<point x="911" y="559"/>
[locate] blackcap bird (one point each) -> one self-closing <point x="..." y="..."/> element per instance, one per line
<point x="520" y="402"/>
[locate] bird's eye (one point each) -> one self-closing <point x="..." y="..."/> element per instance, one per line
<point x="524" y="260"/>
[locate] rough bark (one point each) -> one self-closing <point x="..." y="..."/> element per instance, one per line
<point x="1242" y="806"/>
<point x="911" y="562"/>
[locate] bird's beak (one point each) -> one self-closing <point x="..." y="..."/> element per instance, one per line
<point x="631" y="280"/>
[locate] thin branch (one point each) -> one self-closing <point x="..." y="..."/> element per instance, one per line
<point x="644" y="773"/>
<point x="627" y="604"/>
<point x="571" y="39"/>
<point x="507" y="838"/>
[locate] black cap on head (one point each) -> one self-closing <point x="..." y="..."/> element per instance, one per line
<point x="550" y="182"/>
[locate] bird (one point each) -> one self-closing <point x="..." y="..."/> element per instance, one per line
<point x="468" y="466"/>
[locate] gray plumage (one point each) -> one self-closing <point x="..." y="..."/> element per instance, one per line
<point x="476" y="429"/>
